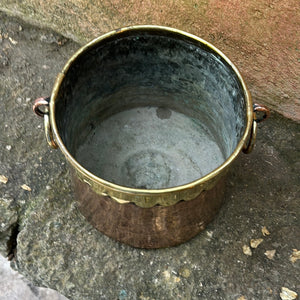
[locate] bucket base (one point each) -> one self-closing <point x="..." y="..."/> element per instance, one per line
<point x="155" y="227"/>
<point x="150" y="148"/>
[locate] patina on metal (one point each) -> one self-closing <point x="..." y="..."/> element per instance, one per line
<point x="150" y="119"/>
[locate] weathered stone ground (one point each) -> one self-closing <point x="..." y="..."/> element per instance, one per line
<point x="14" y="286"/>
<point x="52" y="245"/>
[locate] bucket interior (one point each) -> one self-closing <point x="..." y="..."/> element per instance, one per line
<point x="150" y="109"/>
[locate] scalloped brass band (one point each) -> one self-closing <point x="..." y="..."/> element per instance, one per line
<point x="152" y="197"/>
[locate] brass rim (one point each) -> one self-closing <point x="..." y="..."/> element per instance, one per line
<point x="143" y="197"/>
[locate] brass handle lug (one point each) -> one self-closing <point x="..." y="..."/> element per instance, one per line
<point x="248" y="147"/>
<point x="261" y="109"/>
<point x="41" y="108"/>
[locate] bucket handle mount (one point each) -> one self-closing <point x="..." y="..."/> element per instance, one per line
<point x="264" y="113"/>
<point x="41" y="108"/>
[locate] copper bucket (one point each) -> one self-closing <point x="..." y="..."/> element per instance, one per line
<point x="150" y="119"/>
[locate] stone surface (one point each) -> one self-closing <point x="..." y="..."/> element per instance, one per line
<point x="260" y="37"/>
<point x="13" y="286"/>
<point x="57" y="248"/>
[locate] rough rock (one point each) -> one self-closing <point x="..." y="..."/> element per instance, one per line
<point x="15" y="286"/>
<point x="54" y="246"/>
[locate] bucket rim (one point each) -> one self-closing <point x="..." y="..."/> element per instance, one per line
<point x="149" y="197"/>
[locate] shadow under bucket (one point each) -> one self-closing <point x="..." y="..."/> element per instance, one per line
<point x="150" y="119"/>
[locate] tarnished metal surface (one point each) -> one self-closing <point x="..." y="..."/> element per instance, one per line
<point x="190" y="75"/>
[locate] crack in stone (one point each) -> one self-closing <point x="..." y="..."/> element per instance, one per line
<point x="12" y="242"/>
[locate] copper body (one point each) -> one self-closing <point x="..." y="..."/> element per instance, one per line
<point x="155" y="227"/>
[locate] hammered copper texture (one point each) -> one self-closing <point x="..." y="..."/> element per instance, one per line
<point x="156" y="227"/>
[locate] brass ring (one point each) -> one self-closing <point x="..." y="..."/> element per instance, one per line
<point x="259" y="107"/>
<point x="250" y="144"/>
<point x="38" y="104"/>
<point x="49" y="133"/>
